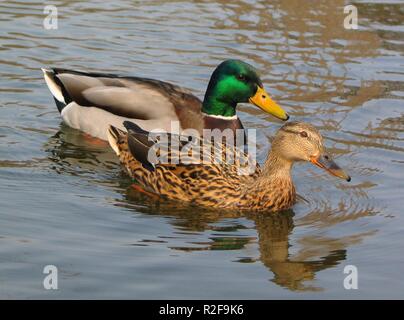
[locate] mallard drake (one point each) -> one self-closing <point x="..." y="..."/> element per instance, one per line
<point x="220" y="184"/>
<point x="92" y="101"/>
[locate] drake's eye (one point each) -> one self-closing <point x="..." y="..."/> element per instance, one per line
<point x="303" y="134"/>
<point x="241" y="77"/>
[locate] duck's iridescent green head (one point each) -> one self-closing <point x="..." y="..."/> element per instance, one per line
<point x="233" y="82"/>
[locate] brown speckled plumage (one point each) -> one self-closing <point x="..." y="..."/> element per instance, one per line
<point x="219" y="185"/>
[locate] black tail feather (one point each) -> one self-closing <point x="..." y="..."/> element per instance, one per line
<point x="59" y="105"/>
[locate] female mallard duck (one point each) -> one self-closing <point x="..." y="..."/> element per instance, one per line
<point x="91" y="102"/>
<point x="220" y="184"/>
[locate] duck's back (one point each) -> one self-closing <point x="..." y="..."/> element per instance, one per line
<point x="92" y="101"/>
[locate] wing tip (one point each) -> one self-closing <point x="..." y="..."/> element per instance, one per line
<point x="139" y="151"/>
<point x="131" y="126"/>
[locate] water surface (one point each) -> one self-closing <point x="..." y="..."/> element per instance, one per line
<point x="65" y="200"/>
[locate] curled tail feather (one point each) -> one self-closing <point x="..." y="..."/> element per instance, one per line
<point x="57" y="89"/>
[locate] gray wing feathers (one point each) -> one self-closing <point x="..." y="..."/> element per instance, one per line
<point x="118" y="96"/>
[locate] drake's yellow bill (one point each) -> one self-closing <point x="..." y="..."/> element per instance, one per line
<point x="263" y="101"/>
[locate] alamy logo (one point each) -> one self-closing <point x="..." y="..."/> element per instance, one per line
<point x="214" y="147"/>
<point x="351" y="20"/>
<point x="50" y="282"/>
<point x="351" y="280"/>
<point x="51" y="20"/>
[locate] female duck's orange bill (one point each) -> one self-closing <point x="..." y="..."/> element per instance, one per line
<point x="325" y="162"/>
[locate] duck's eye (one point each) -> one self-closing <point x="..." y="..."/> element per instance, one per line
<point x="303" y="134"/>
<point x="241" y="77"/>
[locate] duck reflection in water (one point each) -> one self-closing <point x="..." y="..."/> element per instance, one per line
<point x="290" y="270"/>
